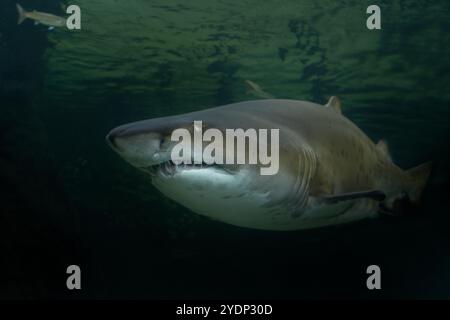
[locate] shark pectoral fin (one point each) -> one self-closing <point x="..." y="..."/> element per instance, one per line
<point x="334" y="104"/>
<point x="371" y="194"/>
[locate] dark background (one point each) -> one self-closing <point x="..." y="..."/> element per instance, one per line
<point x="66" y="199"/>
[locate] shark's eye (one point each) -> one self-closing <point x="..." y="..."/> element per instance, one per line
<point x="161" y="141"/>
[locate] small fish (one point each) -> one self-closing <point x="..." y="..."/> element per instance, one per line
<point x="256" y="90"/>
<point x="40" y="17"/>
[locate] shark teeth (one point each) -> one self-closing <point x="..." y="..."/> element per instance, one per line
<point x="169" y="168"/>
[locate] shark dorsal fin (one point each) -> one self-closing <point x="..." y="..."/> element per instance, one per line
<point x="383" y="148"/>
<point x="335" y="104"/>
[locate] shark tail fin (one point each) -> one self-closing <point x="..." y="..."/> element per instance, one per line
<point x="419" y="176"/>
<point x="21" y="13"/>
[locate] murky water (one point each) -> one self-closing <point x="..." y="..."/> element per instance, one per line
<point x="69" y="199"/>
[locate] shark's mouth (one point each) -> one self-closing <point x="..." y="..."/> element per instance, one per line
<point x="168" y="169"/>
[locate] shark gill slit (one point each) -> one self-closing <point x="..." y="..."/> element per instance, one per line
<point x="305" y="172"/>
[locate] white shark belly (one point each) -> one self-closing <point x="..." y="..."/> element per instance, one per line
<point x="223" y="198"/>
<point x="227" y="199"/>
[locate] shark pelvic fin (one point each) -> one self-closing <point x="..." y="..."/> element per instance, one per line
<point x="419" y="176"/>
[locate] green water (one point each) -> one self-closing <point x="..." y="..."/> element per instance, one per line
<point x="137" y="59"/>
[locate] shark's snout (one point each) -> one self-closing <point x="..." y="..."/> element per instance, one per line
<point x="140" y="148"/>
<point x="110" y="139"/>
<point x="116" y="135"/>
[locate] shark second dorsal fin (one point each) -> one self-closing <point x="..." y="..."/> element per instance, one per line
<point x="335" y="104"/>
<point x="383" y="148"/>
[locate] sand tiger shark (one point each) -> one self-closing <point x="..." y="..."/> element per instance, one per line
<point x="330" y="172"/>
